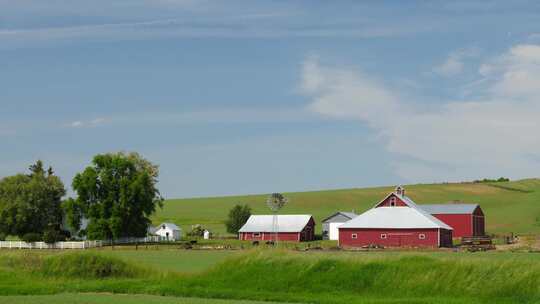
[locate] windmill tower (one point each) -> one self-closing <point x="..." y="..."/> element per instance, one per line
<point x="275" y="202"/>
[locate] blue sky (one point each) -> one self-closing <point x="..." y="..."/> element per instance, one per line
<point x="237" y="97"/>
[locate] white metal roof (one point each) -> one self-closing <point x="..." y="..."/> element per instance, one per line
<point x="286" y="223"/>
<point x="449" y="208"/>
<point x="170" y="226"/>
<point x="349" y="215"/>
<point x="394" y="217"/>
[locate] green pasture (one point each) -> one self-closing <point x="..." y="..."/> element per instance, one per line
<point x="93" y="298"/>
<point x="509" y="206"/>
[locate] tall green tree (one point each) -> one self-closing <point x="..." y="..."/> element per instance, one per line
<point x="31" y="203"/>
<point x="238" y="216"/>
<point x="117" y="194"/>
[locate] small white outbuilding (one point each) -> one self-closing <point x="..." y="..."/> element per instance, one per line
<point x="206" y="235"/>
<point x="168" y="232"/>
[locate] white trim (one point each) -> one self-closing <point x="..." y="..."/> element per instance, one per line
<point x="354" y="236"/>
<point x="385" y="236"/>
<point x="439" y="237"/>
<point x="421" y="236"/>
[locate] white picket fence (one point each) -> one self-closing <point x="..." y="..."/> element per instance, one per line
<point x="77" y="244"/>
<point x="43" y="245"/>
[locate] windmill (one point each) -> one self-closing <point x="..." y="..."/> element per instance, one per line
<point x="275" y="202"/>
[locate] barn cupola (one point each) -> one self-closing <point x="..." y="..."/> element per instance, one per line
<point x="400" y="191"/>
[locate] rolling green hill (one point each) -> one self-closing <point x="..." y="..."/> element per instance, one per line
<point x="509" y="206"/>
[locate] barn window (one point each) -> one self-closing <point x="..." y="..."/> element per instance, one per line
<point x="383" y="236"/>
<point x="422" y="236"/>
<point x="354" y="236"/>
<point x="392" y="201"/>
<point x="256" y="234"/>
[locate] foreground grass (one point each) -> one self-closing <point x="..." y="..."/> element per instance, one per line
<point x="509" y="206"/>
<point x="186" y="261"/>
<point x="85" y="298"/>
<point x="390" y="277"/>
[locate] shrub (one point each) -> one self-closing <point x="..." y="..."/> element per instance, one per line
<point x="31" y="237"/>
<point x="196" y="231"/>
<point x="238" y="216"/>
<point x="3" y="236"/>
<point x="53" y="236"/>
<point x="489" y="180"/>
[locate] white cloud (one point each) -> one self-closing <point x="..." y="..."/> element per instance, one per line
<point x="497" y="135"/>
<point x="515" y="74"/>
<point x="76" y="124"/>
<point x="174" y="28"/>
<point x="343" y="94"/>
<point x="455" y="62"/>
<point x="84" y="124"/>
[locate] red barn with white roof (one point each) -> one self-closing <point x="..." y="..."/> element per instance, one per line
<point x="291" y="227"/>
<point x="396" y="221"/>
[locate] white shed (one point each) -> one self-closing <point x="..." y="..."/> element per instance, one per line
<point x="168" y="232"/>
<point x="206" y="235"/>
<point x="331" y="224"/>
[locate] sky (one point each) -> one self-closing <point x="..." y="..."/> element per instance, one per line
<point x="241" y="97"/>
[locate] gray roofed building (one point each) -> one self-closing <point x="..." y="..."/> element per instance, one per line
<point x="449" y="208"/>
<point x="348" y="215"/>
<point x="330" y="224"/>
<point x="169" y="226"/>
<point x="169" y="232"/>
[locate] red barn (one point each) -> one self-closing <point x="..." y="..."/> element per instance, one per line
<point x="290" y="227"/>
<point x="466" y="219"/>
<point x="396" y="221"/>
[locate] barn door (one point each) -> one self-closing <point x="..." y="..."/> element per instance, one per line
<point x="400" y="239"/>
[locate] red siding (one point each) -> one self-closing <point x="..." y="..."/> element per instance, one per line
<point x="269" y="236"/>
<point x="464" y="224"/>
<point x="461" y="223"/>
<point x="394" y="237"/>
<point x="387" y="202"/>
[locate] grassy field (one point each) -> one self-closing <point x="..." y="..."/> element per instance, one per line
<point x="186" y="261"/>
<point x="509" y="206"/>
<point x="168" y="274"/>
<point x="268" y="275"/>
<point x="92" y="298"/>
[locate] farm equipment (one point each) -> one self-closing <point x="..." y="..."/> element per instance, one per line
<point x="477" y="243"/>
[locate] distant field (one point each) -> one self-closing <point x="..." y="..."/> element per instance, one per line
<point x="509" y="206"/>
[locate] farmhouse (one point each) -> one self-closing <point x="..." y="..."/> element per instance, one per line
<point x="168" y="232"/>
<point x="396" y="221"/>
<point x="330" y="224"/>
<point x="290" y="227"/>
<point x="467" y="220"/>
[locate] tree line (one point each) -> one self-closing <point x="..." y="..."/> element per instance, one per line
<point x="116" y="195"/>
